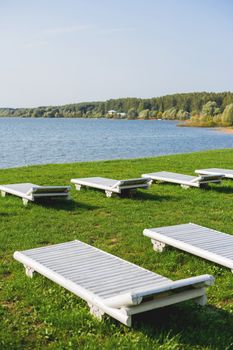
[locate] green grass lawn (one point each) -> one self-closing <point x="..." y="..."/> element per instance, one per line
<point x="38" y="314"/>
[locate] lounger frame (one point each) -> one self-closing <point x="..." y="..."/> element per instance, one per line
<point x="161" y="240"/>
<point x="120" y="187"/>
<point x="195" y="181"/>
<point x="226" y="173"/>
<point x="123" y="306"/>
<point x="37" y="192"/>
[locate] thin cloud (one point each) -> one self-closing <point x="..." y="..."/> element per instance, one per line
<point x="118" y="29"/>
<point x="56" y="31"/>
<point x="35" y="44"/>
<point x="68" y="29"/>
<point x="50" y="33"/>
<point x="82" y="28"/>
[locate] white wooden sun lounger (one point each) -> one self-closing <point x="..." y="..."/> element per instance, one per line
<point x="185" y="181"/>
<point x="228" y="173"/>
<point x="204" y="242"/>
<point x="31" y="192"/>
<point x="110" y="186"/>
<point x="109" y="284"/>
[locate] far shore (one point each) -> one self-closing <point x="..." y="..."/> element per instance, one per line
<point x="183" y="123"/>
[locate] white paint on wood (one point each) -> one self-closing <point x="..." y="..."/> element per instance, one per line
<point x="109" y="284"/>
<point x="31" y="192"/>
<point x="204" y="242"/>
<point x="185" y="181"/>
<point x="228" y="173"/>
<point x="111" y="186"/>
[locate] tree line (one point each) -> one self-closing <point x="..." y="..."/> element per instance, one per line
<point x="200" y="108"/>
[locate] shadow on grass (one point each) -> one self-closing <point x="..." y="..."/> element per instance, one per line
<point x="217" y="188"/>
<point x="69" y="205"/>
<point x="7" y="214"/>
<point x="193" y="325"/>
<point x="152" y="197"/>
<point x="134" y="196"/>
<point x="223" y="189"/>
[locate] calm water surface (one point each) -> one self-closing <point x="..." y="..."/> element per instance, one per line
<point x="39" y="141"/>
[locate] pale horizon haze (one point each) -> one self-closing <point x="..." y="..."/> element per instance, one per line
<point x="61" y="52"/>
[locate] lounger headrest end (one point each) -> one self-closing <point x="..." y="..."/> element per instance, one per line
<point x="210" y="280"/>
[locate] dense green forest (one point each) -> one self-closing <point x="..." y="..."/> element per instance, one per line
<point x="200" y="108"/>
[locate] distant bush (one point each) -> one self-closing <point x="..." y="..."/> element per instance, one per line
<point x="217" y="119"/>
<point x="145" y="114"/>
<point x="153" y="114"/>
<point x="132" y="113"/>
<point x="182" y="115"/>
<point x="227" y="116"/>
<point x="170" y="113"/>
<point x="210" y="109"/>
<point x="201" y="121"/>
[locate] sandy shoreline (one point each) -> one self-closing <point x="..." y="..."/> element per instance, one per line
<point x="226" y="130"/>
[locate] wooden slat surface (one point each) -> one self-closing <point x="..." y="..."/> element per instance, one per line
<point x="104" y="183"/>
<point x="213" y="171"/>
<point x="166" y="175"/>
<point x="195" y="236"/>
<point x="102" y="274"/>
<point x="96" y="181"/>
<point x="24" y="188"/>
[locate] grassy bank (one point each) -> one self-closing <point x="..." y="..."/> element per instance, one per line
<point x="38" y="314"/>
<point x="207" y="122"/>
<point x="225" y="130"/>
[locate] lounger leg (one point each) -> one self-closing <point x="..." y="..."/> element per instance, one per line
<point x="29" y="271"/>
<point x="201" y="300"/>
<point x="128" y="320"/>
<point x="78" y="187"/>
<point x="158" y="246"/>
<point x="25" y="201"/>
<point x="95" y="311"/>
<point x="110" y="194"/>
<point x="185" y="186"/>
<point x="68" y="198"/>
<point x="3" y="193"/>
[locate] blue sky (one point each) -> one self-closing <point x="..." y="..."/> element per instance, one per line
<point x="58" y="52"/>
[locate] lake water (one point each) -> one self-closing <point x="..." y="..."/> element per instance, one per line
<point x="39" y="141"/>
